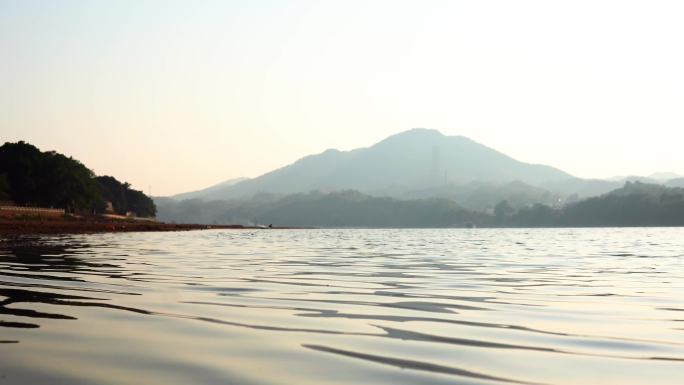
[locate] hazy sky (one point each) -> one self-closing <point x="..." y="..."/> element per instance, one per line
<point x="181" y="95"/>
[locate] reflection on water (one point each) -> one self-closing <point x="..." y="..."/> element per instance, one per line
<point x="345" y="306"/>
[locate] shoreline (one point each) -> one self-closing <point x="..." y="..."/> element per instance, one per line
<point x="87" y="225"/>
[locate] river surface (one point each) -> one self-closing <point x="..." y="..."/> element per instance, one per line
<point x="452" y="306"/>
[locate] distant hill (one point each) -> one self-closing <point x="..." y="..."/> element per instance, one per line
<point x="664" y="176"/>
<point x="634" y="204"/>
<point x="594" y="187"/>
<point x="677" y="182"/>
<point x="581" y="188"/>
<point x="650" y="190"/>
<point x="412" y="160"/>
<point x="423" y="163"/>
<point x="209" y="191"/>
<point x="337" y="209"/>
<point x="484" y="196"/>
<point x="423" y="178"/>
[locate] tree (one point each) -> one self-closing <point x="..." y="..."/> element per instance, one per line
<point x="140" y="203"/>
<point x="115" y="192"/>
<point x="20" y="162"/>
<point x="29" y="176"/>
<point x="4" y="187"/>
<point x="502" y="211"/>
<point x="125" y="199"/>
<point x="66" y="182"/>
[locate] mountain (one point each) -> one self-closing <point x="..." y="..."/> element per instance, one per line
<point x="484" y="196"/>
<point x="633" y="178"/>
<point x="664" y="176"/>
<point x="207" y="192"/>
<point x="346" y="208"/>
<point x="652" y="190"/>
<point x="634" y="204"/>
<point x="581" y="188"/>
<point x="677" y="182"/>
<point x="413" y="160"/>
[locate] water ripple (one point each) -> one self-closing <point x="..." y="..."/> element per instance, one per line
<point x="564" y="306"/>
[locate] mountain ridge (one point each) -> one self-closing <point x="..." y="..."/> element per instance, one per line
<point x="411" y="160"/>
<point x="208" y="190"/>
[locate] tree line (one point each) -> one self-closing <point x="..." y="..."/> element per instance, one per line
<point x="32" y="177"/>
<point x="636" y="204"/>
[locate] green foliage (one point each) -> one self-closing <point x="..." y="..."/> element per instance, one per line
<point x="47" y="178"/>
<point x="66" y="182"/>
<point x="124" y="199"/>
<point x="115" y="192"/>
<point x="50" y="179"/>
<point x="140" y="203"/>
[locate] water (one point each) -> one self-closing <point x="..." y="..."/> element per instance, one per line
<point x="580" y="306"/>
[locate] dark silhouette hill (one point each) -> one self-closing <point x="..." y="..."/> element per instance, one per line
<point x="31" y="177"/>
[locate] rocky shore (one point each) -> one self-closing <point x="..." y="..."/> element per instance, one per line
<point x="81" y="225"/>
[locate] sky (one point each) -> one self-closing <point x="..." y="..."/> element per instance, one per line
<point x="174" y="96"/>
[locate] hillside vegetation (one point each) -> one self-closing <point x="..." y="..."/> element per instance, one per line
<point x="31" y="177"/>
<point x="635" y="204"/>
